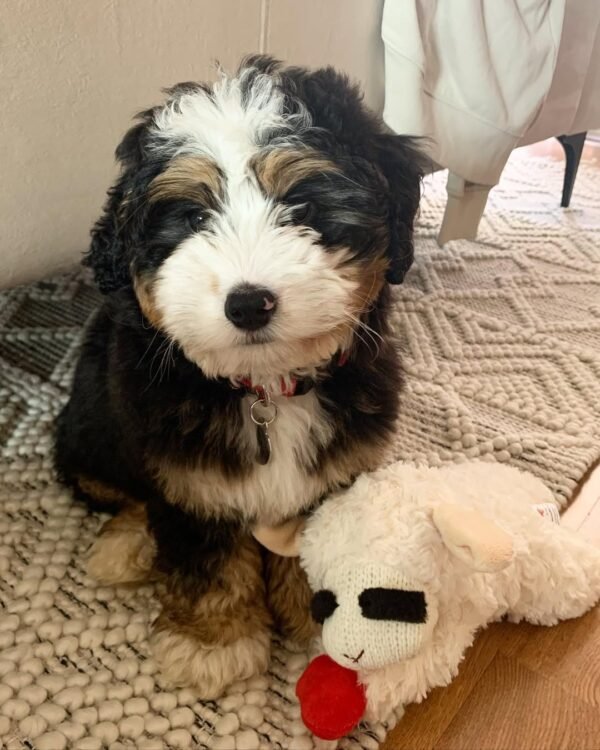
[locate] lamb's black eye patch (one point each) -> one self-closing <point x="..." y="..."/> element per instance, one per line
<point x="323" y="605"/>
<point x="393" y="604"/>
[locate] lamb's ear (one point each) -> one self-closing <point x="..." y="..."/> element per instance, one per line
<point x="403" y="165"/>
<point x="473" y="538"/>
<point x="107" y="253"/>
<point x="283" y="540"/>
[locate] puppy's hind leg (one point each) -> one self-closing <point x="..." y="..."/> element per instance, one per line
<point x="125" y="550"/>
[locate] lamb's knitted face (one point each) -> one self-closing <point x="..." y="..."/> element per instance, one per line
<point x="372" y="615"/>
<point x="375" y="576"/>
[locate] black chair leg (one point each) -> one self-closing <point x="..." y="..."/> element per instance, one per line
<point x="573" y="146"/>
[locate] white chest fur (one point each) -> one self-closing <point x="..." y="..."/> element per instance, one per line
<point x="279" y="489"/>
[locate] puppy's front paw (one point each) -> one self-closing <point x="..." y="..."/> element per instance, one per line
<point x="186" y="662"/>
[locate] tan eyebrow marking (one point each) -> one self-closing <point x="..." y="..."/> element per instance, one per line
<point x="195" y="178"/>
<point x="279" y="169"/>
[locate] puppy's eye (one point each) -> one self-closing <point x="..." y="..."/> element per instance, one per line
<point x="195" y="220"/>
<point x="304" y="213"/>
<point x="323" y="605"/>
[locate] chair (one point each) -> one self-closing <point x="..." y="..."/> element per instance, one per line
<point x="479" y="78"/>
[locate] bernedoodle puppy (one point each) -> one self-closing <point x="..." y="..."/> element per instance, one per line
<point x="240" y="367"/>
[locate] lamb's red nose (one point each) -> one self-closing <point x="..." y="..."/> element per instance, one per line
<point x="331" y="699"/>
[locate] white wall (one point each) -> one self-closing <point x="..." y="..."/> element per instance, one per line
<point x="73" y="72"/>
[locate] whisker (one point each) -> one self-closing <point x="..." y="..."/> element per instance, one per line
<point x="373" y="282"/>
<point x="365" y="326"/>
<point x="372" y="335"/>
<point x="162" y="350"/>
<point x="372" y="332"/>
<point x="364" y="341"/>
<point x="368" y="299"/>
<point x="147" y="349"/>
<point x="170" y="358"/>
<point x="373" y="342"/>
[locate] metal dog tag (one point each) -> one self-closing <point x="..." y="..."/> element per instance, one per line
<point x="264" y="444"/>
<point x="263" y="412"/>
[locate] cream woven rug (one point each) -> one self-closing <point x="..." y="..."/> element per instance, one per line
<point x="501" y="342"/>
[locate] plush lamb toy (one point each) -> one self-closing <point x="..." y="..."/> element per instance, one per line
<point x="409" y="563"/>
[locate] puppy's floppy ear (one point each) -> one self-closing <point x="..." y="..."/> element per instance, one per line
<point x="403" y="166"/>
<point x="107" y="255"/>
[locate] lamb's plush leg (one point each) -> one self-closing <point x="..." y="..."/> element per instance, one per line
<point x="325" y="744"/>
<point x="561" y="578"/>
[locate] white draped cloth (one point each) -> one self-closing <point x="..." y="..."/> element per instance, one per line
<point x="480" y="77"/>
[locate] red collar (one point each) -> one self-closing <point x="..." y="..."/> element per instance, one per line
<point x="285" y="389"/>
<point x="295" y="386"/>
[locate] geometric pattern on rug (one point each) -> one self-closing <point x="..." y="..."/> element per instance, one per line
<point x="500" y="340"/>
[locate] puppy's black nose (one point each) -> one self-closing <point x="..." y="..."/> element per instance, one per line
<point x="250" y="307"/>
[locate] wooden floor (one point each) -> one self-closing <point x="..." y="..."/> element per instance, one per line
<point x="522" y="687"/>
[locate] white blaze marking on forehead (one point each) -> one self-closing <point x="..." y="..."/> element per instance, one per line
<point x="224" y="126"/>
